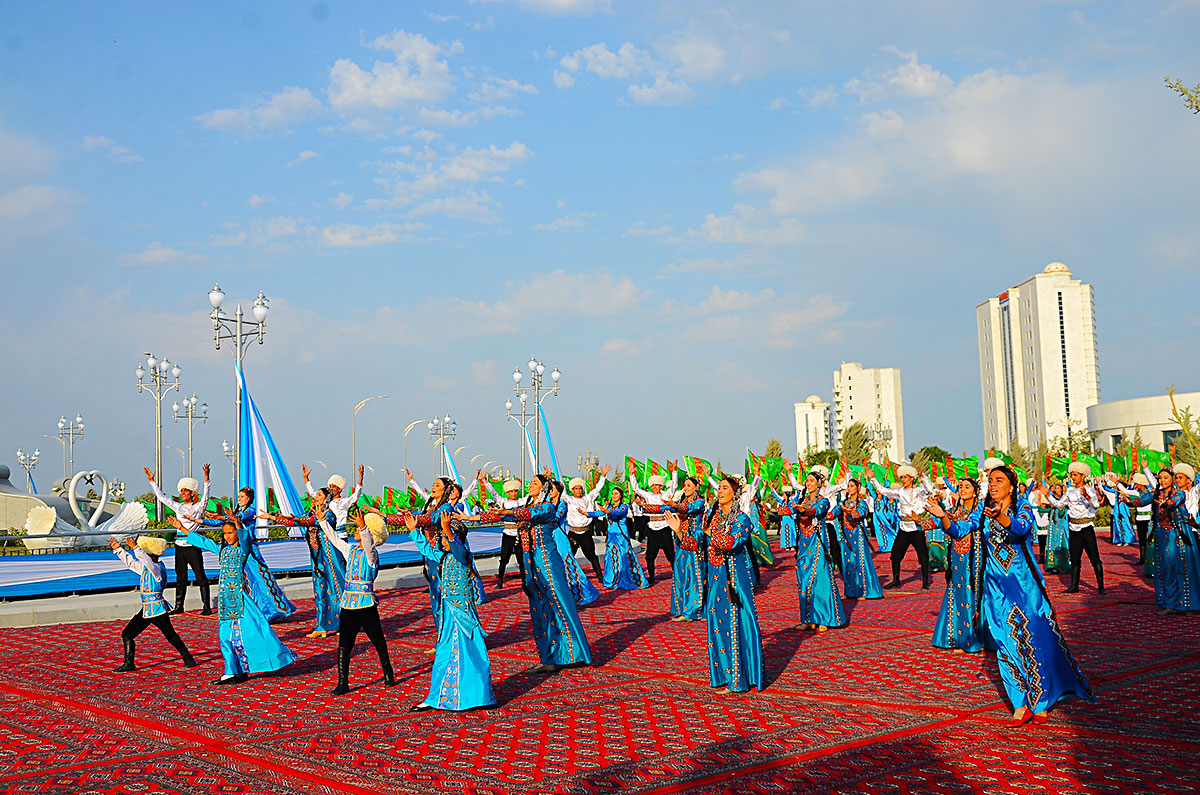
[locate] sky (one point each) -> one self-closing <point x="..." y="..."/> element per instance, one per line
<point x="696" y="210"/>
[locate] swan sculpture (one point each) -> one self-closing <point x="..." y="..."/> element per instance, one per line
<point x="45" y="530"/>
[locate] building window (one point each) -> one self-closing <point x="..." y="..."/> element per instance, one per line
<point x="1115" y="442"/>
<point x="1170" y="437"/>
<point x="1062" y="344"/>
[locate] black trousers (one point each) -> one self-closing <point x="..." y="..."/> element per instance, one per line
<point x="508" y="547"/>
<point x="139" y="623"/>
<point x="657" y="540"/>
<point x="366" y="619"/>
<point x="904" y="540"/>
<point x="1080" y="541"/>
<point x="194" y="557"/>
<point x="587" y="542"/>
<point x="1143" y="529"/>
<point x="835" y="546"/>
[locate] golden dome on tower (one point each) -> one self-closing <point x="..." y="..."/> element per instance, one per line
<point x="1057" y="267"/>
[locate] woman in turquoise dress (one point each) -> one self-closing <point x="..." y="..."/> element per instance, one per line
<point x="461" y="678"/>
<point x="1058" y="552"/>
<point x="735" y="653"/>
<point x="260" y="582"/>
<point x="622" y="568"/>
<point x="787" y="522"/>
<point x="1176" y="583"/>
<point x="1036" y="665"/>
<point x="1122" y="523"/>
<point x="886" y="519"/>
<point x="582" y="588"/>
<point x="688" y="573"/>
<point x="248" y="643"/>
<point x="328" y="565"/>
<point x="859" y="578"/>
<point x="820" y="603"/>
<point x="557" y="630"/>
<point x="959" y="624"/>
<point x="429" y="519"/>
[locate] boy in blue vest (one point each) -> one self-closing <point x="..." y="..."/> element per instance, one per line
<point x="155" y="610"/>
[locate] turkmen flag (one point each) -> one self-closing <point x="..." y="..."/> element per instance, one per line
<point x="966" y="467"/>
<point x="759" y="544"/>
<point x="771" y="469"/>
<point x="697" y="467"/>
<point x="636" y="471"/>
<point x="1058" y="466"/>
<point x="1095" y="464"/>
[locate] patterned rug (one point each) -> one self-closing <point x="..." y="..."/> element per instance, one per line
<point x="869" y="708"/>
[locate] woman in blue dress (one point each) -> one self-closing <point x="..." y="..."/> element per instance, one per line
<point x="1122" y="522"/>
<point x="248" y="643"/>
<point x="582" y="588"/>
<point x="820" y="603"/>
<point x="1036" y="665"/>
<point x="461" y="678"/>
<point x="687" y="583"/>
<point x="260" y="582"/>
<point x="557" y="630"/>
<point x="787" y="522"/>
<point x="458" y="504"/>
<point x="622" y="568"/>
<point x="860" y="580"/>
<point x="959" y="623"/>
<point x="428" y="521"/>
<point x="1176" y="585"/>
<point x="328" y="565"/>
<point x="735" y="653"/>
<point x="1058" y="552"/>
<point x="886" y="519"/>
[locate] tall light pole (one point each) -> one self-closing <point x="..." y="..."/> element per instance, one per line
<point x="64" y="450"/>
<point x="539" y="393"/>
<point x="240" y="332"/>
<point x="523" y="421"/>
<point x="28" y="462"/>
<point x="441" y="429"/>
<point x="411" y="425"/>
<point x="157" y="388"/>
<point x="70" y="431"/>
<point x="229" y="451"/>
<point x="190" y="409"/>
<point x="353" y="431"/>
<point x="587" y="462"/>
<point x="879" y="437"/>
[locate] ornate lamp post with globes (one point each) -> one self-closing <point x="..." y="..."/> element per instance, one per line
<point x="158" y="387"/>
<point x="69" y="432"/>
<point x="539" y="393"/>
<point x="28" y="462"/>
<point x="240" y="332"/>
<point x="441" y="429"/>
<point x="190" y="408"/>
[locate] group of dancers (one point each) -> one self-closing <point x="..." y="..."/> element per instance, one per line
<point x="996" y="597"/>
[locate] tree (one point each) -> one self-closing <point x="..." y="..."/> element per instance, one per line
<point x="1021" y="456"/>
<point x="1185" y="444"/>
<point x="774" y="448"/>
<point x="1191" y="96"/>
<point x="855" y="445"/>
<point x="824" y="457"/>
<point x="927" y="455"/>
<point x="1130" y="443"/>
<point x="1081" y="443"/>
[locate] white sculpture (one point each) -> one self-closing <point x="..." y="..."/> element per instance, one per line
<point x="45" y="530"/>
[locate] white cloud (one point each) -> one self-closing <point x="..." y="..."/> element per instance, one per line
<point x="568" y="221"/>
<point x="473" y="165"/>
<point x="355" y="235"/>
<point x="696" y="58"/>
<point x="119" y="153"/>
<point x="342" y="200"/>
<point x="563" y="79"/>
<point x="779" y="103"/>
<point x="157" y="253"/>
<point x="910" y="79"/>
<point x="819" y="97"/>
<point x="493" y="89"/>
<point x="445" y="117"/>
<point x="748" y="225"/>
<point x="719" y="301"/>
<point x="419" y="75"/>
<point x="469" y="206"/>
<point x="32" y="207"/>
<point x="278" y="111"/>
<point x="255" y="201"/>
<point x="235" y="238"/>
<point x="565" y="7"/>
<point x="819" y="183"/>
<point x="709" y="265"/>
<point x="883" y="125"/>
<point x="626" y="62"/>
<point x="663" y="91"/>
<point x="304" y="156"/>
<point x="22" y="158"/>
<point x="616" y="345"/>
<point x="642" y="229"/>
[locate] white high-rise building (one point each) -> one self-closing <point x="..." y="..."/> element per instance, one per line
<point x="870" y="396"/>
<point x="1038" y="367"/>
<point x="812" y="425"/>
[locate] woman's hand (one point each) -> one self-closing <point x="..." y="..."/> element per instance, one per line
<point x="673" y="521"/>
<point x="410" y="522"/>
<point x="114" y="544"/>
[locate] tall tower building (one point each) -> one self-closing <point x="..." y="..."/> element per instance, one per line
<point x="812" y="425"/>
<point x="870" y="396"/>
<point x="1038" y="367"/>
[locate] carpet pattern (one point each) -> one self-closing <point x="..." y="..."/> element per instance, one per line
<point x="871" y="708"/>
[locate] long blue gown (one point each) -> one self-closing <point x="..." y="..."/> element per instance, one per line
<point x="787" y="525"/>
<point x="430" y="524"/>
<point x="328" y="570"/>
<point x="1122" y="526"/>
<point x="687" y="577"/>
<point x="584" y="591"/>
<point x="248" y="643"/>
<point x="260" y="582"/>
<point x="622" y="568"/>
<point x="820" y="602"/>
<point x="887" y="519"/>
<point x="735" y="653"/>
<point x="462" y="673"/>
<point x="959" y="623"/>
<point x="1176" y="581"/>
<point x="1035" y="663"/>
<point x="557" y="630"/>
<point x="859" y="578"/>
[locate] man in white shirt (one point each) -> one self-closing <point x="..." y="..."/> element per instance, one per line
<point x="579" y="524"/>
<point x="190" y="510"/>
<point x="508" y="541"/>
<point x="910" y="499"/>
<point x="658" y="533"/>
<point x="337" y="503"/>
<point x="1081" y="500"/>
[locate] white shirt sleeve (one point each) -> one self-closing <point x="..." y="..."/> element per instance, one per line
<point x="1057" y="502"/>
<point x="417" y="488"/>
<point x="339" y="543"/>
<point x="309" y="488"/>
<point x="368" y="546"/>
<point x="133" y="564"/>
<point x="595" y="492"/>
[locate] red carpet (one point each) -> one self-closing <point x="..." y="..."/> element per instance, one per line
<point x="872" y="708"/>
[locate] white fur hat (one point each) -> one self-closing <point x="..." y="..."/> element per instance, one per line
<point x="577" y="482"/>
<point x="657" y="480"/>
<point x="1080" y="467"/>
<point x="940" y="482"/>
<point x="377" y="528"/>
<point x="512" y="485"/>
<point x="822" y="470"/>
<point x="906" y="469"/>
<point x="153" y="544"/>
<point x="1186" y="470"/>
<point x="992" y="463"/>
<point x="336" y="480"/>
<point x="1140" y="479"/>
<point x="191" y="484"/>
<point x="786" y="490"/>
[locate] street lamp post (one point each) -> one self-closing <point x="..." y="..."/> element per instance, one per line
<point x="441" y="429"/>
<point x="69" y="432"/>
<point x="353" y="431"/>
<point x="229" y="451"/>
<point x="158" y="387"/>
<point x="28" y="462"/>
<point x="190" y="407"/>
<point x="63" y="445"/>
<point x="879" y="437"/>
<point x="537" y="371"/>
<point x="240" y="332"/>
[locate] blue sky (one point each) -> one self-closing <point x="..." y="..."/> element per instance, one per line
<point x="697" y="210"/>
